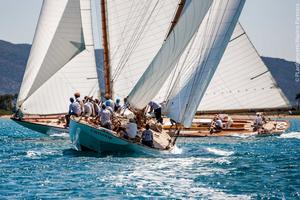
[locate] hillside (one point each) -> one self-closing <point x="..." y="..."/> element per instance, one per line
<point x="13" y="59"/>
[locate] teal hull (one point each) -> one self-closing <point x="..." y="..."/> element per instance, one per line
<point x="103" y="140"/>
<point x="40" y="127"/>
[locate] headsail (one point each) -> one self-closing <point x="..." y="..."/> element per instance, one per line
<point x="161" y="66"/>
<point x="61" y="60"/>
<point x="136" y="31"/>
<point x="242" y="81"/>
<point x="198" y="68"/>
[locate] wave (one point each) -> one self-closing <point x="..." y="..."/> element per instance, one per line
<point x="291" y="135"/>
<point x="219" y="152"/>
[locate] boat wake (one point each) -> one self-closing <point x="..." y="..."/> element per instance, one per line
<point x="219" y="152"/>
<point x="291" y="135"/>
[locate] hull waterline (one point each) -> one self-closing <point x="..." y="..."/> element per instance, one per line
<point x="42" y="128"/>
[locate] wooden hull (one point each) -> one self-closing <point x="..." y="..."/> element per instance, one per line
<point x="42" y="128"/>
<point x="203" y="131"/>
<point x="103" y="140"/>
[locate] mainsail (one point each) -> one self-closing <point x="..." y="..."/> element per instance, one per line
<point x="136" y="30"/>
<point x="198" y="66"/>
<point x="242" y="81"/>
<point x="161" y="66"/>
<point x="61" y="60"/>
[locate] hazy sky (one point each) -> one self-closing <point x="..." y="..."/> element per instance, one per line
<point x="270" y="24"/>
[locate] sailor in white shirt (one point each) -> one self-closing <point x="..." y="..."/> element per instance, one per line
<point x="131" y="129"/>
<point x="88" y="108"/>
<point x="105" y="118"/>
<point x="258" y="120"/>
<point x="74" y="109"/>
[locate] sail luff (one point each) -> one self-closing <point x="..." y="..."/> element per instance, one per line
<point x="161" y="66"/>
<point x="107" y="74"/>
<point x="212" y="39"/>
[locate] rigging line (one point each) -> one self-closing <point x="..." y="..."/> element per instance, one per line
<point x="257" y="76"/>
<point x="137" y="40"/>
<point x="123" y="57"/>
<point x="237" y="37"/>
<point x="123" y="31"/>
<point x="132" y="41"/>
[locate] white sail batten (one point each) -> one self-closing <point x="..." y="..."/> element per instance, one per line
<point x="62" y="58"/>
<point x="136" y="30"/>
<point x="160" y="68"/>
<point x="242" y="81"/>
<point x="199" y="65"/>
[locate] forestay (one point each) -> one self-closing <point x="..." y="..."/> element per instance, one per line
<point x="136" y="29"/>
<point x="198" y="64"/>
<point x="161" y="66"/>
<point x="61" y="60"/>
<point x="242" y="81"/>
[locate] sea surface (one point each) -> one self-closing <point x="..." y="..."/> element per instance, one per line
<point x="37" y="166"/>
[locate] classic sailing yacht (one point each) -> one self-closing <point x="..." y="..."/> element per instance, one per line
<point x="61" y="62"/>
<point x="214" y="20"/>
<point x="169" y="43"/>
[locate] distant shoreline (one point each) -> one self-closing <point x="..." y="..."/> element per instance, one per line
<point x="5" y="116"/>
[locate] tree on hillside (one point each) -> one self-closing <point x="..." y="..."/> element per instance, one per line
<point x="6" y="102"/>
<point x="298" y="100"/>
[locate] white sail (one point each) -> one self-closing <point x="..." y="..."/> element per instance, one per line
<point x="136" y="29"/>
<point x="61" y="60"/>
<point x="161" y="66"/>
<point x="199" y="65"/>
<point x="242" y="81"/>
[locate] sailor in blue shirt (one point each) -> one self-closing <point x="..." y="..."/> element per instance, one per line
<point x="147" y="137"/>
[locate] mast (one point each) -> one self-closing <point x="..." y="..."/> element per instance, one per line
<point x="108" y="86"/>
<point x="177" y="16"/>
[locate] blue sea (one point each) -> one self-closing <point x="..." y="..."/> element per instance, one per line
<point x="37" y="166"/>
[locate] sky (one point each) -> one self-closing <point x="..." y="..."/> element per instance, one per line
<point x="270" y="24"/>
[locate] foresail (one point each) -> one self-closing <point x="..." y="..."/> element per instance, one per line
<point x="62" y="59"/>
<point x="198" y="64"/>
<point x="242" y="81"/>
<point x="136" y="30"/>
<point x="161" y="66"/>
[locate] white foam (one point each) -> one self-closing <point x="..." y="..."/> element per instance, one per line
<point x="38" y="154"/>
<point x="290" y="135"/>
<point x="176" y="150"/>
<point x="244" y="135"/>
<point x="62" y="135"/>
<point x="219" y="152"/>
<point x="33" y="154"/>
